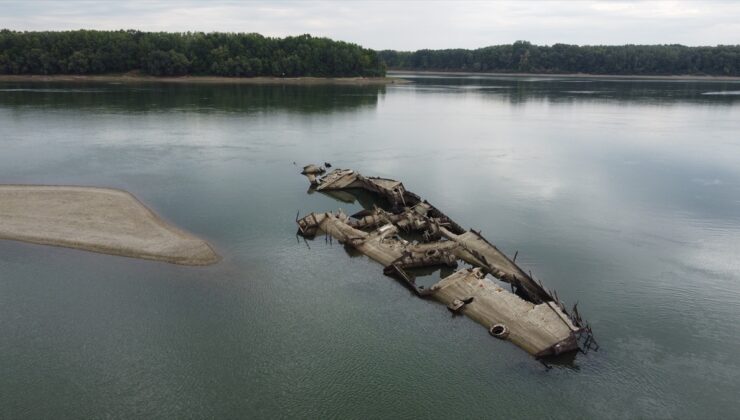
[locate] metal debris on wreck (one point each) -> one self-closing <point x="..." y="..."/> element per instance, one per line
<point x="527" y="315"/>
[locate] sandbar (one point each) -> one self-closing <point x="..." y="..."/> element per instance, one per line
<point x="133" y="77"/>
<point x="102" y="220"/>
<point x="669" y="77"/>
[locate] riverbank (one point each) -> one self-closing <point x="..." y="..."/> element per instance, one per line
<point x="399" y="73"/>
<point x="100" y="220"/>
<point x="139" y="78"/>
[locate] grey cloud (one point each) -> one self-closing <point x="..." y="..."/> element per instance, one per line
<point x="403" y="25"/>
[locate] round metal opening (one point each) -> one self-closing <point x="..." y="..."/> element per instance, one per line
<point x="499" y="331"/>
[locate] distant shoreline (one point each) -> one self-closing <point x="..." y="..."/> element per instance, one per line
<point x="138" y="78"/>
<point x="396" y="73"/>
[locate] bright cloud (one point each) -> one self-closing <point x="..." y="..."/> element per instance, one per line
<point x="404" y="25"/>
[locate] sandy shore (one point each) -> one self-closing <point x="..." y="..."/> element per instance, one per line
<point x="398" y="73"/>
<point x="138" y="78"/>
<point x="96" y="219"/>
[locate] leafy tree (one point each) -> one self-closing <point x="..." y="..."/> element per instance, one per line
<point x="722" y="60"/>
<point x="78" y="63"/>
<point x="169" y="54"/>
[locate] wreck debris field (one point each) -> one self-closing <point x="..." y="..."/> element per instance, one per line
<point x="529" y="316"/>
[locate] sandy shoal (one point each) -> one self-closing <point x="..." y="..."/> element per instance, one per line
<point x="100" y="220"/>
<point x="139" y="78"/>
<point x="675" y="77"/>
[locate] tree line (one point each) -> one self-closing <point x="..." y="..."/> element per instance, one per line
<point x="190" y="53"/>
<point x="524" y="57"/>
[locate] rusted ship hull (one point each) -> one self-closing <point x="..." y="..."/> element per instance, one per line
<point x="528" y="315"/>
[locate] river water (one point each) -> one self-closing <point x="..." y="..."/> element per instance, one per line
<point x="622" y="195"/>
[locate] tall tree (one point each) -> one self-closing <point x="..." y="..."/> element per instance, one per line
<point x="162" y="53"/>
<point x="522" y="56"/>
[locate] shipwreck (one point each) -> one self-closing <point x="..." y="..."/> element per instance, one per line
<point x="524" y="313"/>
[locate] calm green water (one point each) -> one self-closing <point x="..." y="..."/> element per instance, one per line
<point x="622" y="195"/>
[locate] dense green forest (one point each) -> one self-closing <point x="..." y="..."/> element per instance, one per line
<point x="523" y="57"/>
<point x="173" y="54"/>
<point x="247" y="55"/>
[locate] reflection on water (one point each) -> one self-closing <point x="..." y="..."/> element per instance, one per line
<point x="623" y="196"/>
<point x="724" y="92"/>
<point x="519" y="89"/>
<point x="197" y="97"/>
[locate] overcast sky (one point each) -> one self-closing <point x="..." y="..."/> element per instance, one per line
<point x="403" y="25"/>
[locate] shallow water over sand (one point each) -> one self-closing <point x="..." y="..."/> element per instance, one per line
<point x="623" y="196"/>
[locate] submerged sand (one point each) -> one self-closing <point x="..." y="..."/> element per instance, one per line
<point x="101" y="220"/>
<point x="134" y="77"/>
<point x="671" y="77"/>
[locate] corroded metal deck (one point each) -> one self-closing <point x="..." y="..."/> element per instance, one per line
<point x="527" y="315"/>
